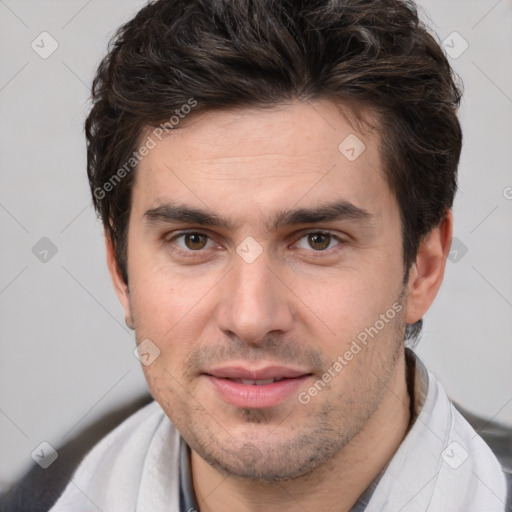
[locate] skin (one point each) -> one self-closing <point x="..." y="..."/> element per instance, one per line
<point x="296" y="305"/>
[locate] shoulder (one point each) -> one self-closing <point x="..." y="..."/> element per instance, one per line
<point x="468" y="471"/>
<point x="135" y="432"/>
<point x="127" y="465"/>
<point x="39" y="489"/>
<point x="442" y="463"/>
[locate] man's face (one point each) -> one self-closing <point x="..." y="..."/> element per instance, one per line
<point x="258" y="251"/>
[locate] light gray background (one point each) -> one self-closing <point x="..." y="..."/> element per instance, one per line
<point x="66" y="355"/>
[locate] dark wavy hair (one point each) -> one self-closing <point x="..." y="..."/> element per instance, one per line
<point x="223" y="54"/>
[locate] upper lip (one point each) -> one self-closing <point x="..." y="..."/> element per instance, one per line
<point x="268" y="372"/>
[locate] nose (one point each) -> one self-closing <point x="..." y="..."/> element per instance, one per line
<point x="254" y="302"/>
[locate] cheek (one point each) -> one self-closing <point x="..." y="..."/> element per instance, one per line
<point x="176" y="323"/>
<point x="170" y="312"/>
<point x="165" y="297"/>
<point x="336" y="308"/>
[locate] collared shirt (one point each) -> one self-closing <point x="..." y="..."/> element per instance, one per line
<point x="442" y="465"/>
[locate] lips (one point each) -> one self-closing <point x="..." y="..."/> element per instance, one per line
<point x="266" y="373"/>
<point x="256" y="388"/>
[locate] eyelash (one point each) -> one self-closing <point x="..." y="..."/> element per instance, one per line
<point x="200" y="252"/>
<point x="332" y="236"/>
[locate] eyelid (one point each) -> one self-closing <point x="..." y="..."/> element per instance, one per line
<point x="312" y="231"/>
<point x="312" y="253"/>
<point x="171" y="235"/>
<point x="182" y="233"/>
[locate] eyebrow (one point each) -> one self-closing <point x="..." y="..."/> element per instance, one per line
<point x="176" y="213"/>
<point x="336" y="211"/>
<point x="339" y="210"/>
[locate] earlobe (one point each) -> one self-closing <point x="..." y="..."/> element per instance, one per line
<point x="426" y="274"/>
<point x="120" y="287"/>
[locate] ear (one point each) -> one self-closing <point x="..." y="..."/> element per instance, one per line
<point x="120" y="286"/>
<point x="426" y="274"/>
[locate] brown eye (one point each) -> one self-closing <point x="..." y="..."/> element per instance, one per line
<point x="195" y="241"/>
<point x="319" y="241"/>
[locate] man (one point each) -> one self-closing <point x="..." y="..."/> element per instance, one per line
<point x="276" y="181"/>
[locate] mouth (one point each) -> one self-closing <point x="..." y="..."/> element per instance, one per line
<point x="256" y="388"/>
<point x="261" y="382"/>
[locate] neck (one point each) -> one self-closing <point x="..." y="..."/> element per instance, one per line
<point x="336" y="485"/>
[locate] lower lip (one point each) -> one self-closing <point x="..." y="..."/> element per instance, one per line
<point x="256" y="397"/>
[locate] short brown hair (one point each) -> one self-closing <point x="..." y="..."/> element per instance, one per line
<point x="238" y="53"/>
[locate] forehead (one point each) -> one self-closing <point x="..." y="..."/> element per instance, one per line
<point x="264" y="160"/>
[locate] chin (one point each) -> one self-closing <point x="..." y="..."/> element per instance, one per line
<point x="266" y="463"/>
